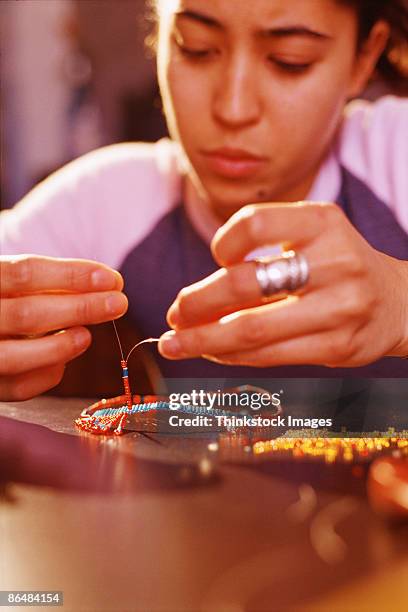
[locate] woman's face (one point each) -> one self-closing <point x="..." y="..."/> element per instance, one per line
<point x="254" y="92"/>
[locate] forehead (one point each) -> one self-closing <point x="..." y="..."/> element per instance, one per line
<point x="256" y="14"/>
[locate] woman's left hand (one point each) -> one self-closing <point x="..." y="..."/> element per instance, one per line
<point x="352" y="311"/>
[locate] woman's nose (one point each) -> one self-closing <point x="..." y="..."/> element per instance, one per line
<point x="236" y="102"/>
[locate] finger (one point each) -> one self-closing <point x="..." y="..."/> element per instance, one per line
<point x="248" y="329"/>
<point x="42" y="313"/>
<point x="33" y="274"/>
<point x="28" y="385"/>
<point x="254" y="226"/>
<point x="229" y="290"/>
<point x="313" y="349"/>
<point x="18" y="356"/>
<point x="221" y="293"/>
<point x="388" y="486"/>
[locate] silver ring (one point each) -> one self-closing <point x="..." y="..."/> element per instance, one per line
<point x="288" y="272"/>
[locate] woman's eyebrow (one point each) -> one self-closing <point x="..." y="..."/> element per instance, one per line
<point x="296" y="30"/>
<point x="201" y="18"/>
<point x="274" y="32"/>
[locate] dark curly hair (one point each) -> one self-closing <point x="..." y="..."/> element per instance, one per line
<point x="392" y="66"/>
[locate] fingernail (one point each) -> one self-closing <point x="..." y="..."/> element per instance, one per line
<point x="169" y="345"/>
<point x="81" y="338"/>
<point x="116" y="304"/>
<point x="213" y="359"/>
<point x="105" y="279"/>
<point x="173" y="315"/>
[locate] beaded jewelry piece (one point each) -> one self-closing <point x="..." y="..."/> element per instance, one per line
<point x="108" y="416"/>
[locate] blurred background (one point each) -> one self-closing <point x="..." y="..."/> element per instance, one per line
<point x="75" y="75"/>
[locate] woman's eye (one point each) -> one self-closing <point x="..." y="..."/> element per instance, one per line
<point x="195" y="53"/>
<point x="291" y="67"/>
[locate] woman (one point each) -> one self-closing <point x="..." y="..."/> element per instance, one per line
<point x="254" y="93"/>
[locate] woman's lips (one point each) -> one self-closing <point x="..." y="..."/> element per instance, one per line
<point x="233" y="163"/>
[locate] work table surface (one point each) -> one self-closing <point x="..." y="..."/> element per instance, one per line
<point x="162" y="522"/>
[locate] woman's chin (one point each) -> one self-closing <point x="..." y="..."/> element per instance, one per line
<point x="229" y="200"/>
<point x="228" y="196"/>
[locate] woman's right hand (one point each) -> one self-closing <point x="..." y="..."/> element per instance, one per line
<point x="40" y="295"/>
